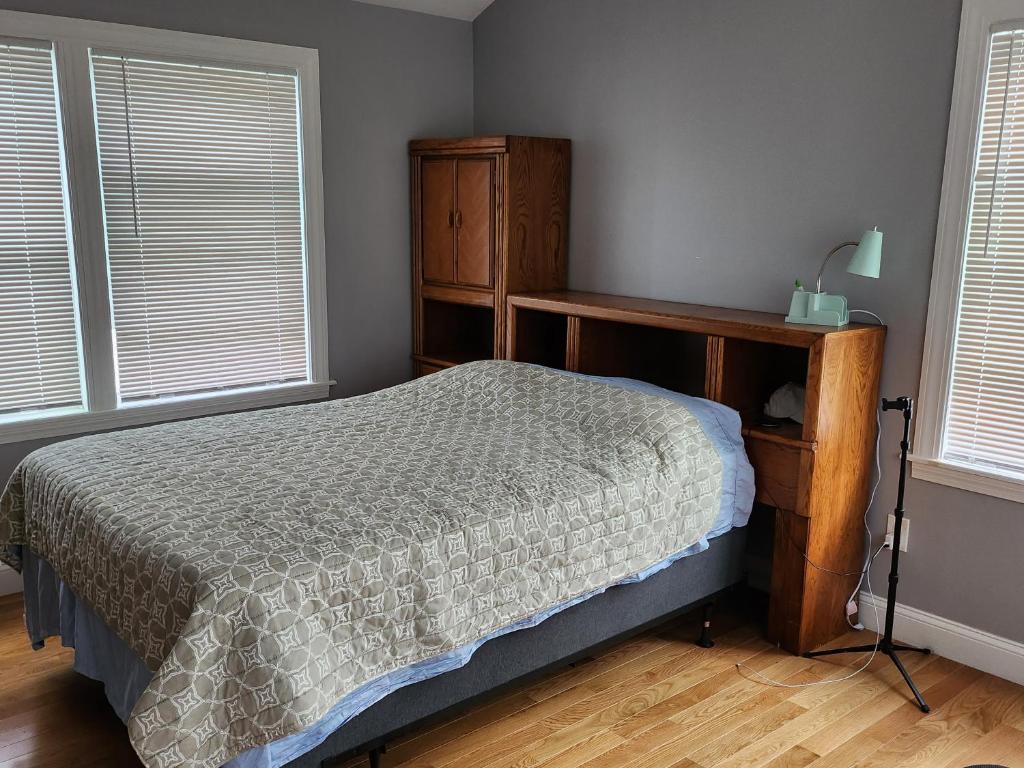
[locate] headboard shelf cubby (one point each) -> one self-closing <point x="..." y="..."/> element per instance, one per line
<point x="814" y="474"/>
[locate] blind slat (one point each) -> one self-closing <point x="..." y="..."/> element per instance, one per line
<point x="39" y="345"/>
<point x="201" y="185"/>
<point x="985" y="421"/>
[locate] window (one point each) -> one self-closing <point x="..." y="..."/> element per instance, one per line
<point x="971" y="433"/>
<point x="38" y="325"/>
<point x="200" y="169"/>
<point x="171" y="264"/>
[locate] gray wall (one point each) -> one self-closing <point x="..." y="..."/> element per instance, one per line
<point x="385" y="76"/>
<point x="720" y="148"/>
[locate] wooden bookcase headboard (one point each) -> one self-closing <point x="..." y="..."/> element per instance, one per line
<point x="815" y="475"/>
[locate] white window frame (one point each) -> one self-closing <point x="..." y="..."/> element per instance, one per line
<point x="72" y="41"/>
<point x="976" y="25"/>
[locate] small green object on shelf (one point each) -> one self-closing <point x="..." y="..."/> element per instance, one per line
<point x="818" y="309"/>
<point x="821" y="308"/>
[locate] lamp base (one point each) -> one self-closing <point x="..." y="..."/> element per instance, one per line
<point x="818" y="309"/>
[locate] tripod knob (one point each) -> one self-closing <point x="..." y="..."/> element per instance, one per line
<point x="903" y="403"/>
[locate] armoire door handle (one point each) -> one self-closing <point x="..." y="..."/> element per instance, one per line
<point x="451" y="218"/>
<point x="458" y="219"/>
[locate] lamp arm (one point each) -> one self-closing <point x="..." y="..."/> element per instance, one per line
<point x="831" y="253"/>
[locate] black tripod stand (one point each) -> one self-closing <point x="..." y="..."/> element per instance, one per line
<point x="885" y="642"/>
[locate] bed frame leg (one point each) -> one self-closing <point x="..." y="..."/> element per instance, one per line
<point x="375" y="754"/>
<point x="705" y="641"/>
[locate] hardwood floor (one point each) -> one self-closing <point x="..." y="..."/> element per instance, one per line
<point x="655" y="701"/>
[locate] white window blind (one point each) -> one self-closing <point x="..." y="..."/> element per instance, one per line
<point x="38" y="325"/>
<point x="985" y="421"/>
<point x="201" y="181"/>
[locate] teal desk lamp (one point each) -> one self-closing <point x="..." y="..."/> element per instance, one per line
<point x="824" y="309"/>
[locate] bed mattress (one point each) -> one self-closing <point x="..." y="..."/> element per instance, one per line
<point x="265" y="566"/>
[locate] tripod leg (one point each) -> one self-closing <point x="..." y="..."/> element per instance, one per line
<point x="911" y="648"/>
<point x="906" y="676"/>
<point x="833" y="651"/>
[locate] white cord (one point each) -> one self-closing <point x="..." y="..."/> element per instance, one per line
<point x="865" y="574"/>
<point x="866" y="312"/>
<point x="867" y="510"/>
<point x="865" y="665"/>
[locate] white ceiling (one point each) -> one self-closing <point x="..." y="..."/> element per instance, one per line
<point x="467" y="10"/>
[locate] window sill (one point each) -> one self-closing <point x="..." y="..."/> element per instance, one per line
<point x="56" y="425"/>
<point x="967" y="478"/>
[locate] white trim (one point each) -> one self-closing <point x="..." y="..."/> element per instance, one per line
<point x="976" y="24"/>
<point x="10" y="581"/>
<point x="967" y="478"/>
<point x="168" y="410"/>
<point x="126" y="38"/>
<point x="976" y="648"/>
<point x="313" y="218"/>
<point x="72" y="40"/>
<point x="85" y="200"/>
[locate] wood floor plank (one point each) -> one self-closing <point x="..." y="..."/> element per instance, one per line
<point x="723" y="689"/>
<point x="654" y="701"/>
<point x="542" y="719"/>
<point x="932" y="732"/>
<point x="944" y="679"/>
<point x="926" y="670"/>
<point x="794" y="757"/>
<point x="599" y="713"/>
<point x="678" y="736"/>
<point x="832" y="703"/>
<point x="635" y="652"/>
<point x="729" y="748"/>
<point x="1003" y="745"/>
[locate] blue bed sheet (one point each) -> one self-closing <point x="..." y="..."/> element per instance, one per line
<point x="102" y="655"/>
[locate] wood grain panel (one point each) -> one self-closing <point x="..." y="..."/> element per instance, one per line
<point x="572" y="344"/>
<point x="527" y="180"/>
<point x="675" y="361"/>
<point x="474" y="221"/>
<point x="437" y="219"/>
<point x="454" y="146"/>
<point x="713" y="368"/>
<point x="788" y="571"/>
<point x="458" y="294"/>
<point x="720" y="321"/>
<point x="845" y="431"/>
<point x="776" y="473"/>
<point x="538" y="214"/>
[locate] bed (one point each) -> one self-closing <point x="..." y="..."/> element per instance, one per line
<point x="279" y="587"/>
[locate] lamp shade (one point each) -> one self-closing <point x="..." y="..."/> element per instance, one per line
<point x="867" y="259"/>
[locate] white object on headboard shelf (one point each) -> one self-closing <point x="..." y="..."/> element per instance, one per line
<point x="787" y="402"/>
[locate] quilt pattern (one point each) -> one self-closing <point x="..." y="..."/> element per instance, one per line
<point x="265" y="564"/>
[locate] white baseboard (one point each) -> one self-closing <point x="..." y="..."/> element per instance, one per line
<point x="982" y="650"/>
<point x="10" y="580"/>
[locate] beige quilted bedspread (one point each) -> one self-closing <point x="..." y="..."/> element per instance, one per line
<point x="265" y="564"/>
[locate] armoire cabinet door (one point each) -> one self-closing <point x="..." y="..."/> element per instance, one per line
<point x="474" y="221"/>
<point x="437" y="219"/>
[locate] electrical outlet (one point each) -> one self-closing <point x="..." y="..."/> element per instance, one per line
<point x="890" y="530"/>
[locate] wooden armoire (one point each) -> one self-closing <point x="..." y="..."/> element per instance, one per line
<point x="490" y="216"/>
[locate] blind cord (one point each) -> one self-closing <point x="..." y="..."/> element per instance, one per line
<point x="131" y="147"/>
